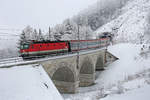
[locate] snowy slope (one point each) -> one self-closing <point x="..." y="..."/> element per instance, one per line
<point x="138" y="94"/>
<point x="131" y="24"/>
<point x="130" y="72"/>
<point x="27" y="83"/>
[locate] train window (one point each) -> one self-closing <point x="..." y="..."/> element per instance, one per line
<point x="25" y="46"/>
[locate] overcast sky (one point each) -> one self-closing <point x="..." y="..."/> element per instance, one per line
<point x="39" y="13"/>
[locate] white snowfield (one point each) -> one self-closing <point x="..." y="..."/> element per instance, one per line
<point x="27" y="83"/>
<point x="127" y="77"/>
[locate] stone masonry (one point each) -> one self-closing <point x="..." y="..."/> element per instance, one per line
<point x="67" y="77"/>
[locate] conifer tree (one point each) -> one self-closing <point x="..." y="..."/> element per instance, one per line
<point x="35" y="35"/>
<point x="21" y="40"/>
<point x="40" y="36"/>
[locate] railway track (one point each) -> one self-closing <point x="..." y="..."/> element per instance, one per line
<point x="20" y="59"/>
<point x="10" y="60"/>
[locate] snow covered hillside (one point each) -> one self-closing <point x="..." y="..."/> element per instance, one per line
<point x="129" y="74"/>
<point x="131" y="25"/>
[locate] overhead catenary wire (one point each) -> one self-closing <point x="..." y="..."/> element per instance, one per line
<point x="11" y="34"/>
<point x="10" y="29"/>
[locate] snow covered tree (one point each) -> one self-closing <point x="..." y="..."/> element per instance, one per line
<point x="50" y="35"/>
<point x="100" y="13"/>
<point x="34" y="35"/>
<point x="40" y="36"/>
<point x="146" y="36"/>
<point x="81" y="20"/>
<point x="28" y="31"/>
<point x="22" y="39"/>
<point x="70" y="30"/>
<point x="68" y="26"/>
<point x="59" y="31"/>
<point x="85" y="32"/>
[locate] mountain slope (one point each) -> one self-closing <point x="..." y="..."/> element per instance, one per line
<point x="131" y="24"/>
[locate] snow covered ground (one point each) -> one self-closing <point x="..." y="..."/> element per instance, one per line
<point x="137" y="94"/>
<point x="27" y="83"/>
<point x="128" y="75"/>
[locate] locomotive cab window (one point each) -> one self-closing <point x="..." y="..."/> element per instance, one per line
<point x="25" y="46"/>
<point x="21" y="47"/>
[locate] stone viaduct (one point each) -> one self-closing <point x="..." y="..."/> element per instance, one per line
<point x="67" y="77"/>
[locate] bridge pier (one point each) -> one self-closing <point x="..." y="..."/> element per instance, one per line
<point x="67" y="87"/>
<point x="86" y="79"/>
<point x="100" y="62"/>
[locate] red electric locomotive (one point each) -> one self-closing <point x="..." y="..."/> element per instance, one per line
<point x="36" y="48"/>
